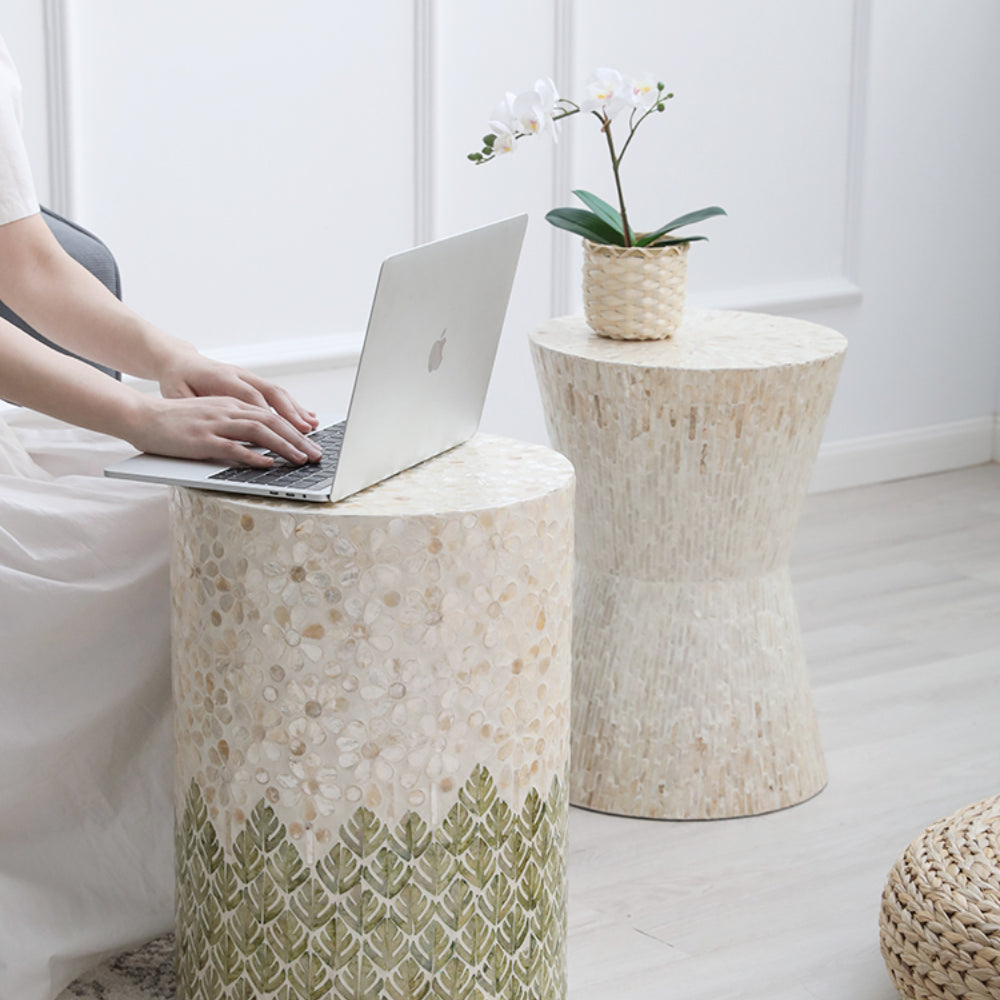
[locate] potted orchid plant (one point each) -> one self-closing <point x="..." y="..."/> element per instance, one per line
<point x="634" y="281"/>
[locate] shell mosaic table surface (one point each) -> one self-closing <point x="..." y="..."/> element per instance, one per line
<point x="372" y="715"/>
<point x="693" y="455"/>
<point x="708" y="340"/>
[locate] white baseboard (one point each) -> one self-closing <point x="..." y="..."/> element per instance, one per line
<point x="881" y="458"/>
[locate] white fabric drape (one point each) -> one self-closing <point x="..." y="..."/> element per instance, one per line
<point x="85" y="739"/>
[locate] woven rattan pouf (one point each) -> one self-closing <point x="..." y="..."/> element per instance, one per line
<point x="940" y="919"/>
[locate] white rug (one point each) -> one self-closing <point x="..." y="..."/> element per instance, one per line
<point x="144" y="974"/>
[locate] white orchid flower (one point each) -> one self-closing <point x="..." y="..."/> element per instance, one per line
<point x="505" y="142"/>
<point x="548" y="95"/>
<point x="504" y="124"/>
<point x="503" y="113"/>
<point x="519" y="115"/>
<point x="533" y="109"/>
<point x="541" y="109"/>
<point x="644" y="92"/>
<point x="607" y="92"/>
<point x="530" y="114"/>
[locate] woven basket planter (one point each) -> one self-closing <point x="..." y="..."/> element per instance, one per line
<point x="634" y="293"/>
<point x="940" y="918"/>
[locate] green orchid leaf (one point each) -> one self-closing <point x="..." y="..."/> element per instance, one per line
<point x="648" y="239"/>
<point x="603" y="210"/>
<point x="586" y="224"/>
<point x="673" y="241"/>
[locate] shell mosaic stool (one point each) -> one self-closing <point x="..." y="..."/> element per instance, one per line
<point x="691" y="697"/>
<point x="940" y="918"/>
<point x="372" y="720"/>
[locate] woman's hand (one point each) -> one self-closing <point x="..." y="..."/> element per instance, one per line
<point x="188" y="373"/>
<point x="210" y="410"/>
<point x="216" y="428"/>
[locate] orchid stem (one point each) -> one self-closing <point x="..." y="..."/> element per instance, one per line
<point x="626" y="229"/>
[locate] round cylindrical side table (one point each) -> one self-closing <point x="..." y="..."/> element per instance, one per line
<point x="372" y="717"/>
<point x="693" y="456"/>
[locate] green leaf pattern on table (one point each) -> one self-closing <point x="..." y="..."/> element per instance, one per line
<point x="475" y="909"/>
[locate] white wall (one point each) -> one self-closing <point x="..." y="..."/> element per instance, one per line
<point x="23" y="29"/>
<point x="251" y="163"/>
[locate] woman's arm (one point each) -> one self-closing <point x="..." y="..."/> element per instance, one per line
<point x="203" y="427"/>
<point x="210" y="407"/>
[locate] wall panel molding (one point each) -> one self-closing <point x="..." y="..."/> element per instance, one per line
<point x="821" y="293"/>
<point x="278" y="359"/>
<point x="824" y="292"/>
<point x="845" y="289"/>
<point x="860" y="461"/>
<point x="424" y="93"/>
<point x="563" y="68"/>
<point x="833" y="290"/>
<point x="857" y="125"/>
<point x="57" y="26"/>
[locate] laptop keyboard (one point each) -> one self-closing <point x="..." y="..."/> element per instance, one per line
<point x="282" y="473"/>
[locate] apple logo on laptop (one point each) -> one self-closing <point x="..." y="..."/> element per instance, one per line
<point x="436" y="356"/>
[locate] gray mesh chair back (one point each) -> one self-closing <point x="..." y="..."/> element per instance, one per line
<point x="88" y="250"/>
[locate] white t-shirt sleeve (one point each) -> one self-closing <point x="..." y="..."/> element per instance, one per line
<point x="17" y="189"/>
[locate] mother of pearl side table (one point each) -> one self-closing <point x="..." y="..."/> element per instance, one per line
<point x="372" y="719"/>
<point x="693" y="455"/>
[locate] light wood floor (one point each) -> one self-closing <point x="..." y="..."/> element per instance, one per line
<point x="899" y="598"/>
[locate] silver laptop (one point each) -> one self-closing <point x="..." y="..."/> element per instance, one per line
<point x="421" y="382"/>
